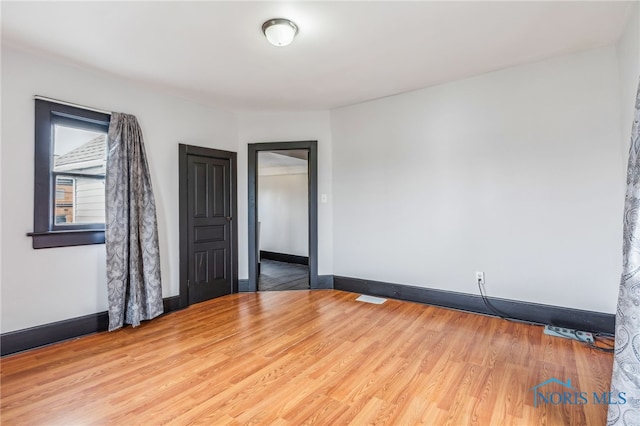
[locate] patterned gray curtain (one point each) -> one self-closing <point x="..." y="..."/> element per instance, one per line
<point x="133" y="257"/>
<point x="626" y="363"/>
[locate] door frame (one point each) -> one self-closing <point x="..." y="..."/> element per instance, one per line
<point x="183" y="183"/>
<point x="312" y="162"/>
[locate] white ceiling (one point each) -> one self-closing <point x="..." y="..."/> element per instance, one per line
<point x="271" y="163"/>
<point x="345" y="52"/>
<point x="280" y="159"/>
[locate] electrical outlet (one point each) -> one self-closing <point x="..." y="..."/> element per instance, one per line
<point x="568" y="333"/>
<point x="480" y="277"/>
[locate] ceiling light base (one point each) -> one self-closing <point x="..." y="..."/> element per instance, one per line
<point x="279" y="31"/>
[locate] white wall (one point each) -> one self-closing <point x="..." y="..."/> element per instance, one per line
<point x="47" y="285"/>
<point x="628" y="53"/>
<point x="515" y="173"/>
<point x="283" y="213"/>
<point x="256" y="127"/>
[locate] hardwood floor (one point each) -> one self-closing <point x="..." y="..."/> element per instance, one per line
<point x="301" y="357"/>
<point x="276" y="276"/>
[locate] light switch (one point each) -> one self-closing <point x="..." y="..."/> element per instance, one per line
<point x="323" y="198"/>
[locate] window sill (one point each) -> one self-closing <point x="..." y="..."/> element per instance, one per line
<point x="51" y="239"/>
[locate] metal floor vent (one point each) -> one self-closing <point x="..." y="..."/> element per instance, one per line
<point x="371" y="299"/>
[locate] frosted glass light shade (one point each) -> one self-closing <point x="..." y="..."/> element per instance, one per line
<point x="279" y="32"/>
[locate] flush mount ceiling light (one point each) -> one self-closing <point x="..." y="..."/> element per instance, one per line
<point x="279" y="31"/>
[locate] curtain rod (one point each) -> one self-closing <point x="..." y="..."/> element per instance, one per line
<point x="57" y="101"/>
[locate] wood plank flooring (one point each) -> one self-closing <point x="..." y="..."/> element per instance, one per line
<point x="303" y="357"/>
<point x="276" y="276"/>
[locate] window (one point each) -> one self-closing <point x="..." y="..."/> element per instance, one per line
<point x="70" y="164"/>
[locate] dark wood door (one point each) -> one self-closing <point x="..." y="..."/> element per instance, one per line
<point x="209" y="228"/>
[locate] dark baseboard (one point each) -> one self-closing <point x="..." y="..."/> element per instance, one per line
<point x="243" y="286"/>
<point x="325" y="282"/>
<point x="21" y="340"/>
<point x="535" y="312"/>
<point x="42" y="335"/>
<point x="46" y="334"/>
<point x="171" y="304"/>
<point x="283" y="257"/>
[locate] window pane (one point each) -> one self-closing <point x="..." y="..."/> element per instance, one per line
<point x="79" y="199"/>
<point x="64" y="200"/>
<point x="79" y="151"/>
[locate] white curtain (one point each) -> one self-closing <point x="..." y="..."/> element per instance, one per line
<point x="626" y="364"/>
<point x="133" y="257"/>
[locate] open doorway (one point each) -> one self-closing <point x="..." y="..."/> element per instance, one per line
<point x="283" y="217"/>
<point x="283" y="225"/>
